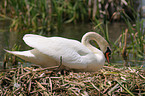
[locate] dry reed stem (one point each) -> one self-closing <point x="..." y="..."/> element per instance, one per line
<point x="124" y="53"/>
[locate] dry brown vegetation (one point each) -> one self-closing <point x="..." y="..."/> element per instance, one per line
<point x="48" y="82"/>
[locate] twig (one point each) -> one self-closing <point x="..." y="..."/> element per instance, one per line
<point x="48" y="68"/>
<point x="43" y="88"/>
<point x="50" y="84"/>
<point x="125" y="88"/>
<point x="112" y="89"/>
<point x="60" y="64"/>
<point x="95" y="87"/>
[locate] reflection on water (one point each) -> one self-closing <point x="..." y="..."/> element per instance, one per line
<point x="78" y="30"/>
<point x="8" y="39"/>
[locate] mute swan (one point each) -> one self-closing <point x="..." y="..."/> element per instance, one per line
<point x="75" y="55"/>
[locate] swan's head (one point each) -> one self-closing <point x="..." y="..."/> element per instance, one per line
<point x="103" y="44"/>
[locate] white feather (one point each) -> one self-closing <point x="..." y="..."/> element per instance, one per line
<point x="48" y="50"/>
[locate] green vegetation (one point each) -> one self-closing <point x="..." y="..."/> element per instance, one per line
<point x="131" y="41"/>
<point x="49" y="15"/>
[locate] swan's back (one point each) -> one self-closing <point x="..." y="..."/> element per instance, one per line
<point x="55" y="45"/>
<point x="73" y="53"/>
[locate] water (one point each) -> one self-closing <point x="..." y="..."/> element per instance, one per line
<point x="9" y="39"/>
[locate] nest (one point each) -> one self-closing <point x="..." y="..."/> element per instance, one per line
<point x="48" y="82"/>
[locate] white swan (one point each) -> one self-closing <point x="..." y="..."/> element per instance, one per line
<point x="75" y="55"/>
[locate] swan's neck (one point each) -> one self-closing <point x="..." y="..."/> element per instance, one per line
<point x="96" y="37"/>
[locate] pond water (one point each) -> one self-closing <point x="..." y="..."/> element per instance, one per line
<point x="9" y="39"/>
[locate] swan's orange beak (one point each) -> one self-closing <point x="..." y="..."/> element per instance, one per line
<point x="107" y="55"/>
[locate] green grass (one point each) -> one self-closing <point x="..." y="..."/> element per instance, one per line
<point x="45" y="16"/>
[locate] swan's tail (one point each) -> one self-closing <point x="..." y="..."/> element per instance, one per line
<point x="26" y="55"/>
<point x="35" y="57"/>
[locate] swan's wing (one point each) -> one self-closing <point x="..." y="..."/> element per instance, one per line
<point x="34" y="40"/>
<point x="34" y="56"/>
<point x="56" y="47"/>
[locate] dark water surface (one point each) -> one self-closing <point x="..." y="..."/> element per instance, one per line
<point x="9" y="39"/>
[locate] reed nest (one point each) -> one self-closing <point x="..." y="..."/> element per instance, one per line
<point x="32" y="81"/>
